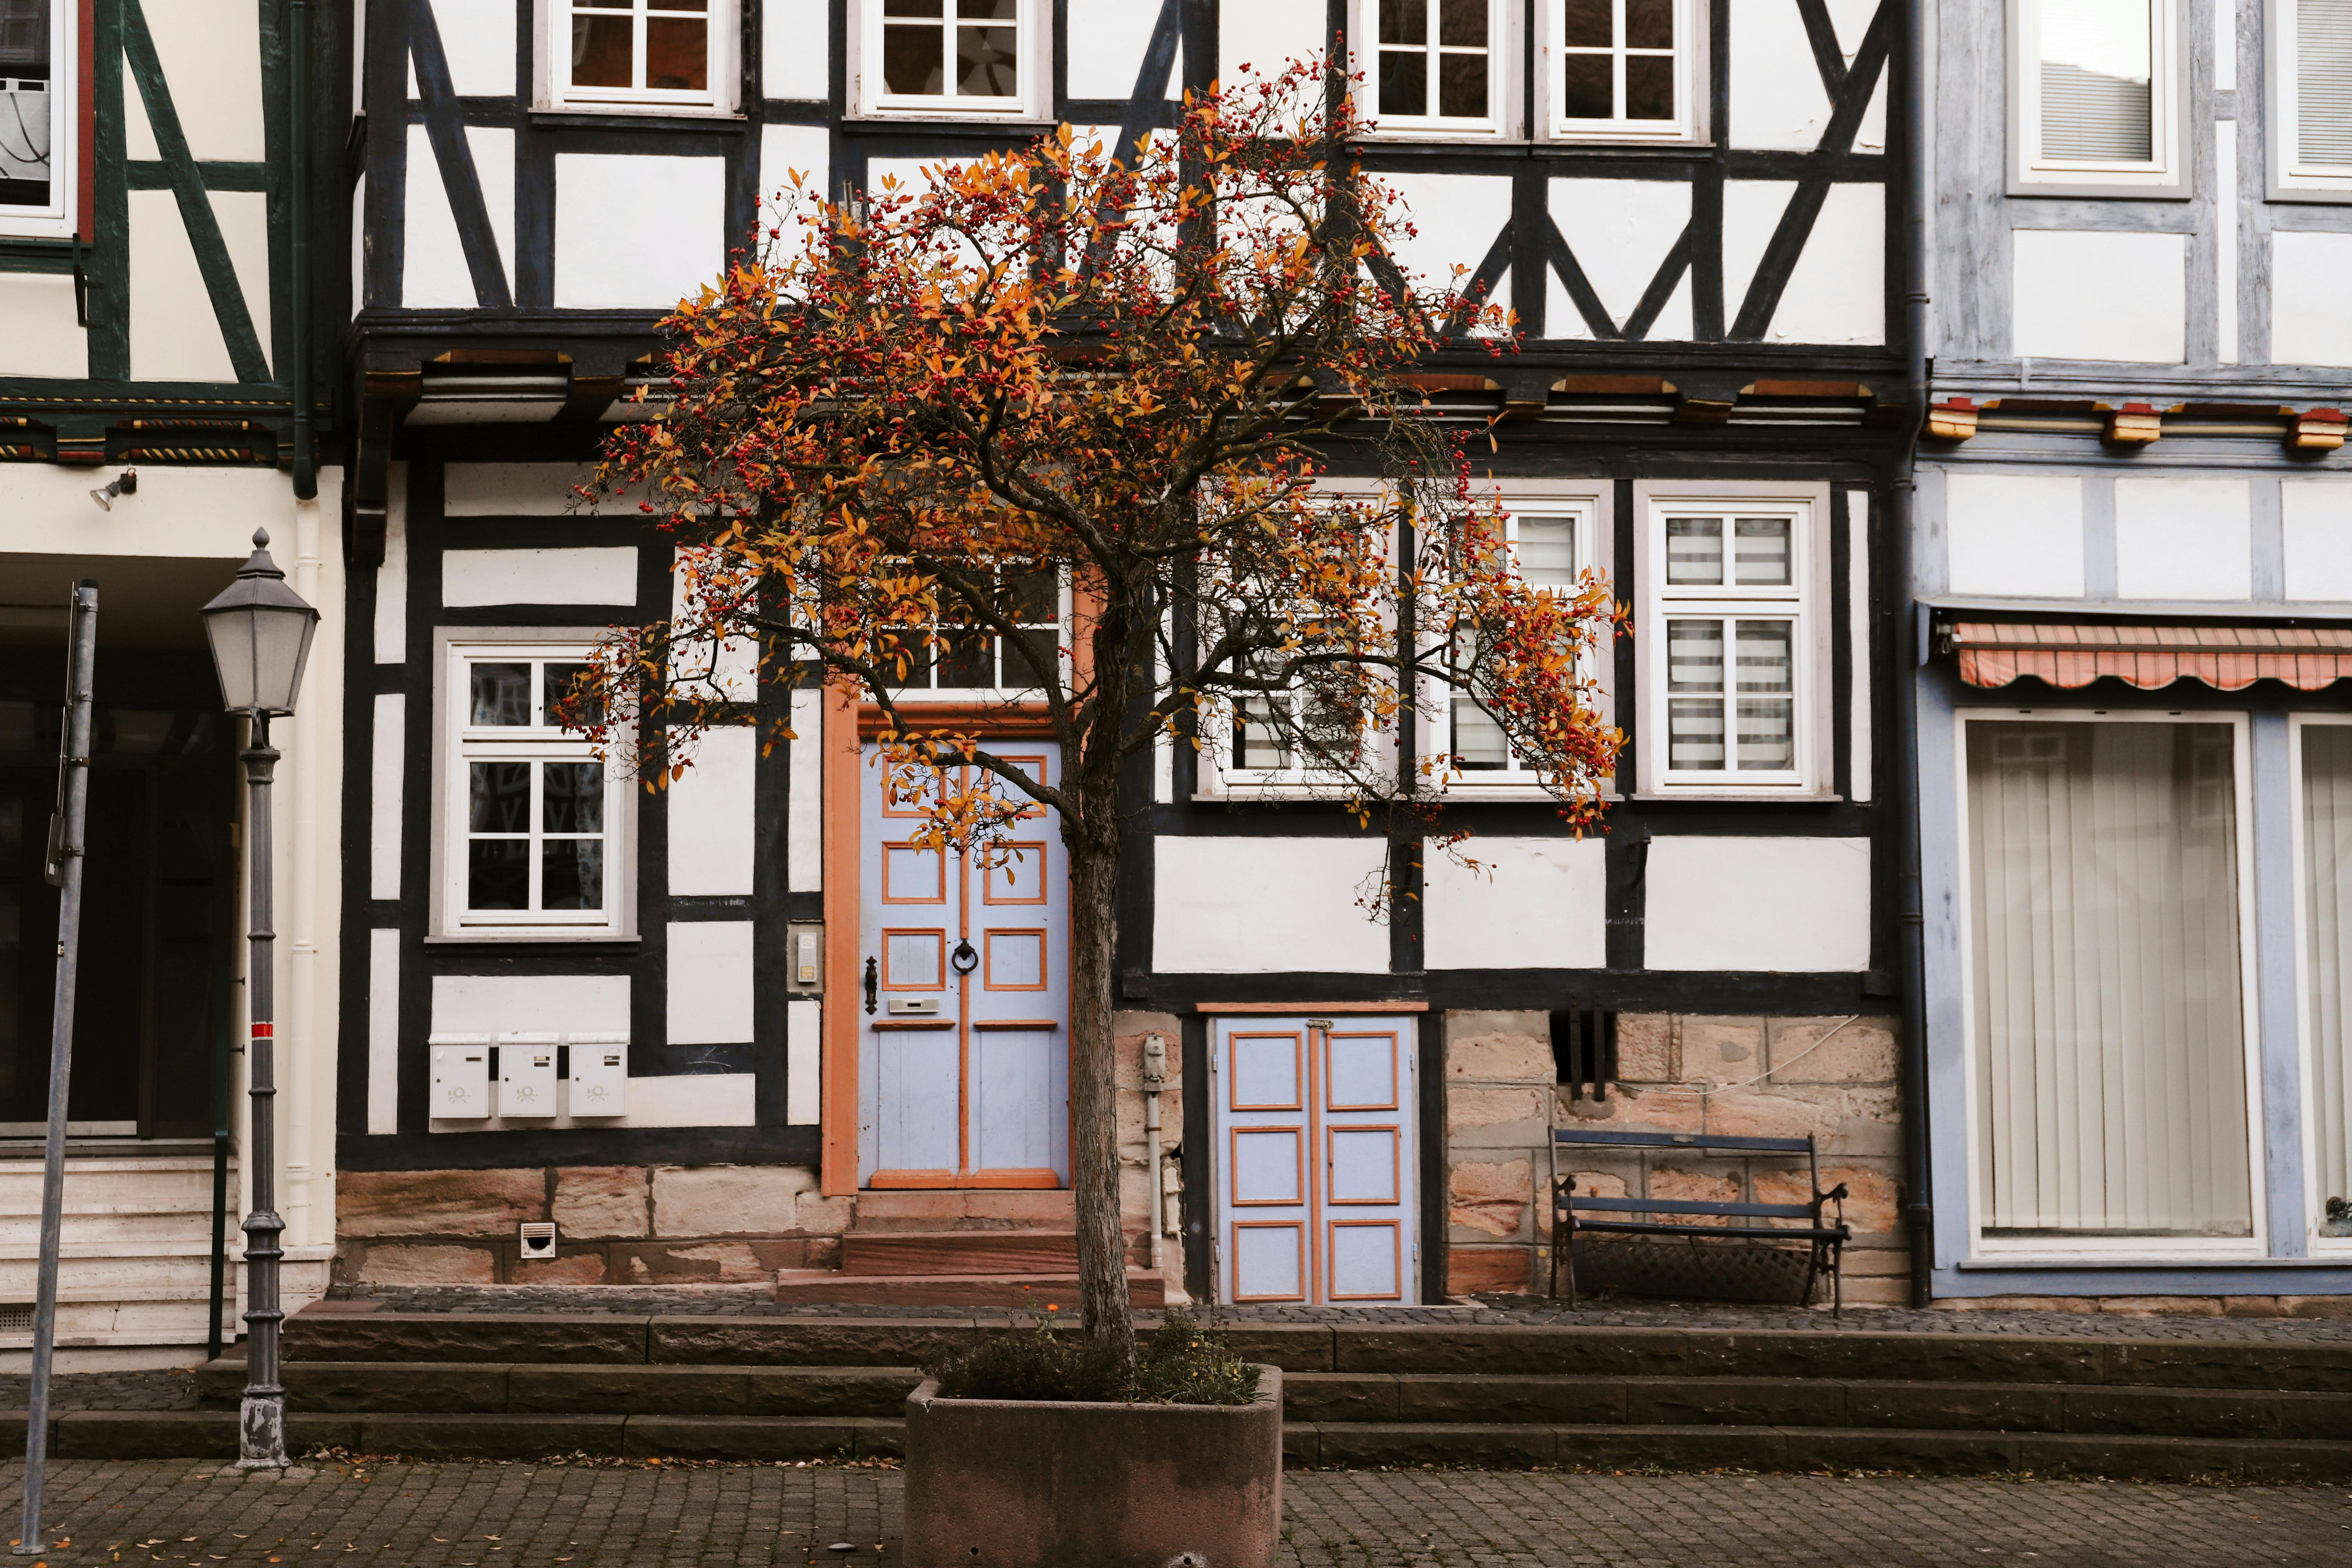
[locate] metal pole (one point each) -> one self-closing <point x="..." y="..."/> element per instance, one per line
<point x="65" y="870"/>
<point x="261" y="1419"/>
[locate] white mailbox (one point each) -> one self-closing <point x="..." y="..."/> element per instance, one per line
<point x="600" y="1075"/>
<point x="461" y="1077"/>
<point x="527" y="1075"/>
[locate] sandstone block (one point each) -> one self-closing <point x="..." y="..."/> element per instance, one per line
<point x="1472" y="1268"/>
<point x="1825" y="1050"/>
<point x="1870" y="1205"/>
<point x="1022" y="1206"/>
<point x="727" y="1200"/>
<point x="1646" y="1044"/>
<point x="2315" y="1306"/>
<point x="1646" y="1110"/>
<point x="1491" y="1196"/>
<point x="2249" y="1306"/>
<point x="1493" y="1116"/>
<point x="814" y="1213"/>
<point x="1694" y="1187"/>
<point x="1761" y="1112"/>
<point x="731" y="1262"/>
<point x="603" y="1202"/>
<point x="429" y="1266"/>
<point x="1599" y="1183"/>
<point x="1498" y="1047"/>
<point x="438" y="1203"/>
<point x="571" y="1268"/>
<point x="2162" y="1306"/>
<point x="1719" y="1049"/>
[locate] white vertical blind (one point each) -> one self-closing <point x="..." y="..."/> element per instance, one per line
<point x="2110" y="1034"/>
<point x="2323" y="82"/>
<point x="2328" y="945"/>
<point x="2097" y="59"/>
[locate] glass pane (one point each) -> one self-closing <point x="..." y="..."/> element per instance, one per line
<point x="1404" y="81"/>
<point x="1587" y="90"/>
<point x="1587" y="25"/>
<point x="572" y="873"/>
<point x="1767" y="734"/>
<point x="1649" y="87"/>
<point x="498" y="874"/>
<point x="25" y="103"/>
<point x="1694" y="735"/>
<point x="1032" y="598"/>
<point x="1462" y="23"/>
<point x="988" y="10"/>
<point x="1461" y="86"/>
<point x="601" y="48"/>
<point x="557" y="685"/>
<point x="501" y="694"/>
<point x="1649" y="24"/>
<point x="1258" y="740"/>
<point x="985" y="62"/>
<point x="702" y="5"/>
<point x="2108" y="1021"/>
<point x="1695" y="551"/>
<point x="1404" y="21"/>
<point x="1765" y="649"/>
<point x="2327" y="955"/>
<point x="2096" y="99"/>
<point x="1760" y="552"/>
<point x="677" y="54"/>
<point x="575" y="797"/>
<point x="1546" y="548"/>
<point x="2323" y="85"/>
<point x="1695" y="655"/>
<point x="911" y="9"/>
<point x="1043" y="666"/>
<point x="966" y="659"/>
<point x="1478" y="742"/>
<point x="498" y="797"/>
<point x="912" y="61"/>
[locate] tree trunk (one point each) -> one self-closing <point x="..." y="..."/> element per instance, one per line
<point x="1094" y="1097"/>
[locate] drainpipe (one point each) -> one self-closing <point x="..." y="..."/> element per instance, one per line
<point x="1155" y="1079"/>
<point x="1911" y="656"/>
<point x="297" y="229"/>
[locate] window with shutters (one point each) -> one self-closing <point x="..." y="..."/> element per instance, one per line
<point x="2311" y="83"/>
<point x="963" y="60"/>
<point x="2095" y="91"/>
<point x="1621" y="70"/>
<point x="667" y="56"/>
<point x="1437" y="67"/>
<point x="39" y="121"/>
<point x="1732" y="641"/>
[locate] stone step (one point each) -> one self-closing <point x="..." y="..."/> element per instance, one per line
<point x="832" y="1286"/>
<point x="212" y="1433"/>
<point x="492" y="1388"/>
<point x="885" y="1252"/>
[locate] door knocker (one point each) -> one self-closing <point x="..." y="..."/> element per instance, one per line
<point x="965" y="958"/>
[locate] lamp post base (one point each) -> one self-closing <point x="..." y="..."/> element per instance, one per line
<point x="261" y="1434"/>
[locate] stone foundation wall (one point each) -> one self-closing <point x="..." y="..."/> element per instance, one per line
<point x="1778" y="1078"/>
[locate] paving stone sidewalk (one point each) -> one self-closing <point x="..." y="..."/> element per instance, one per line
<point x="179" y="1514"/>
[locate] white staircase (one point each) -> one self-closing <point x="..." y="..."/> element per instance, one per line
<point x="136" y="1256"/>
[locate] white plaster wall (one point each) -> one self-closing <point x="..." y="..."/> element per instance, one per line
<point x="478" y="37"/>
<point x="710" y="990"/>
<point x="211" y="54"/>
<point x="2013" y="535"/>
<point x="1455" y="218"/>
<point x="392" y="577"/>
<point x="2080" y="294"/>
<point x="712" y="815"/>
<point x="1268" y="35"/>
<point x="796" y="48"/>
<point x="728" y="669"/>
<point x="786" y="151"/>
<point x="804" y="816"/>
<point x="383" y="1030"/>
<point x="470" y="578"/>
<point x="385" y="795"/>
<point x="1620" y="231"/>
<point x="42" y="338"/>
<point x="673" y="212"/>
<point x="1837" y="291"/>
<point x="2183" y="538"/>
<point x="1536" y="903"/>
<point x="2316" y="516"/>
<point x="2309" y="322"/>
<point x="1776" y="90"/>
<point x="512" y="489"/>
<point x="1255" y="906"/>
<point x="803" y="1062"/>
<point x="434" y="271"/>
<point x="204" y="513"/>
<point x="175" y="334"/>
<point x="1778" y="905"/>
<point x="1751" y="211"/>
<point x="667" y="1099"/>
<point x="1107" y="44"/>
<point x="526" y="1003"/>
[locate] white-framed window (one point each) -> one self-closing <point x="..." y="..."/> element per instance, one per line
<point x="1621" y="70"/>
<point x="1285" y="742"/>
<point x="2106" y="934"/>
<point x="39" y="118"/>
<point x="1437" y="67"/>
<point x="981" y="60"/>
<point x="532" y="828"/>
<point x="1733" y="641"/>
<point x="2095" y="93"/>
<point x="966" y="663"/>
<point x="2322" y="745"/>
<point x="664" y="56"/>
<point x="2311" y="91"/>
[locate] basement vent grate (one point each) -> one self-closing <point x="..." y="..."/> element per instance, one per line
<point x="15" y="1317"/>
<point x="1584" y="1050"/>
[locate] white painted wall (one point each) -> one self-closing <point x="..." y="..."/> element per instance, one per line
<point x="383" y="1030"/>
<point x="710" y="990"/>
<point x="795" y="48"/>
<point x="2080" y="294"/>
<point x="392" y="577"/>
<point x="1256" y="906"/>
<point x="478" y="37"/>
<point x="512" y="489"/>
<point x="803" y="1062"/>
<point x="2013" y="535"/>
<point x="2183" y="538"/>
<point x="1779" y="905"/>
<point x="1776" y="90"/>
<point x="385" y="795"/>
<point x="728" y="669"/>
<point x="472" y="578"/>
<point x="666" y="1099"/>
<point x="525" y="1003"/>
<point x="174" y="334"/>
<point x="211" y="54"/>
<point x="2309" y="323"/>
<point x="712" y="816"/>
<point x="42" y="337"/>
<point x="1751" y="211"/>
<point x="1455" y="218"/>
<point x="434" y="270"/>
<point x="1537" y="904"/>
<point x="786" y="151"/>
<point x="199" y="512"/>
<point x="804" y="818"/>
<point x="672" y="212"/>
<point x="1620" y="231"/>
<point x="1107" y="44"/>
<point x="1267" y="35"/>
<point x="2316" y="515"/>
<point x="1837" y="291"/>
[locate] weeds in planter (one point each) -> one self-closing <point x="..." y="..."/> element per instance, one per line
<point x="1183" y="1364"/>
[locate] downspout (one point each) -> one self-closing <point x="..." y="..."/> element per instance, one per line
<point x="298" y="227"/>
<point x="1910" y="658"/>
<point x="1155" y="1079"/>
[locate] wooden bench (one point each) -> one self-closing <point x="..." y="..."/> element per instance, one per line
<point x="1826" y="1238"/>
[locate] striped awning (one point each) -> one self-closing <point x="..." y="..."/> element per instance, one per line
<point x="2075" y="653"/>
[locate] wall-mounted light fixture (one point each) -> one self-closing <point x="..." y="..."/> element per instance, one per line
<point x="125" y="483"/>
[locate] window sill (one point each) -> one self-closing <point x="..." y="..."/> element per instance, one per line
<point x="932" y="115"/>
<point x="538" y="937"/>
<point x="1793" y="796"/>
<point x="591" y="116"/>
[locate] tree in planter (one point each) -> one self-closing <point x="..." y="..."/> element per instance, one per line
<point x="1052" y="434"/>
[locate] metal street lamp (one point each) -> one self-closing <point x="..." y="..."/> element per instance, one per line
<point x="261" y="633"/>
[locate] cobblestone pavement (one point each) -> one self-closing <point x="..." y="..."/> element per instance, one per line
<point x="755" y="1301"/>
<point x="632" y="1515"/>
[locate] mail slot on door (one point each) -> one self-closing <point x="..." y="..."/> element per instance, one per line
<point x="600" y="1075"/>
<point x="527" y="1075"/>
<point x="461" y="1077"/>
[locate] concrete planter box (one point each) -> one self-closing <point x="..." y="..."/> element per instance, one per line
<point x="1003" y="1483"/>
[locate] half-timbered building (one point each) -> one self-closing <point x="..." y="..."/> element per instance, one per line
<point x="642" y="1019"/>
